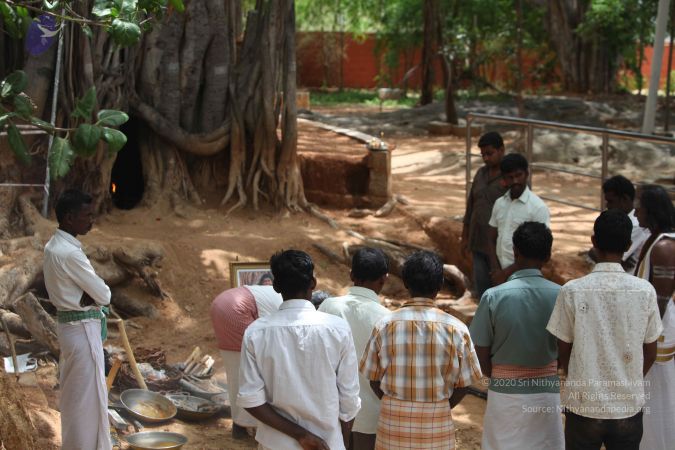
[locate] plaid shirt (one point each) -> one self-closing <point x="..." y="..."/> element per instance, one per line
<point x="420" y="353"/>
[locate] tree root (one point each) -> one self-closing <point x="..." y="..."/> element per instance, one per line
<point x="40" y="324"/>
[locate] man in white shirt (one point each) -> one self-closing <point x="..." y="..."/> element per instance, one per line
<point x="607" y="324"/>
<point x="517" y="206"/>
<point x="620" y="194"/>
<point x="78" y="295"/>
<point x="361" y="309"/>
<point x="298" y="374"/>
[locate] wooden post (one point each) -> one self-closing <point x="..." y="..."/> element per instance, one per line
<point x="127" y="348"/>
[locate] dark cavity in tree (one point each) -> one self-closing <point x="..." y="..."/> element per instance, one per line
<point x="126" y="182"/>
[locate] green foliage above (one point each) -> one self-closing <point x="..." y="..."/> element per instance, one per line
<point x="125" y="21"/>
<point x="122" y="19"/>
<point x="82" y="140"/>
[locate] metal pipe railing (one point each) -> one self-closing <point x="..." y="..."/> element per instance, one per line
<point x="530" y="124"/>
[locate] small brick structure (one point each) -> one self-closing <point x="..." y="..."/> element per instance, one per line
<point x="347" y="180"/>
<point x="357" y="177"/>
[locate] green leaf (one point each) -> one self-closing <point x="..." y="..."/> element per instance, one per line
<point x="17" y="144"/>
<point x="102" y="9"/>
<point x="112" y="117"/>
<point x="4" y="118"/>
<point x="178" y="5"/>
<point x="42" y="124"/>
<point x="60" y="158"/>
<point x="115" y="139"/>
<point x="22" y="12"/>
<point x="125" y="33"/>
<point x="10" y="20"/>
<point x="129" y="8"/>
<point x="14" y="83"/>
<point x="86" y="139"/>
<point x="23" y="106"/>
<point x="51" y="5"/>
<point x="85" y="105"/>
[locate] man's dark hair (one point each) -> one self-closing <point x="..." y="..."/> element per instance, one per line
<point x="512" y="162"/>
<point x="369" y="264"/>
<point x="491" y="138"/>
<point x="422" y="273"/>
<point x="533" y="240"/>
<point x="620" y="186"/>
<point x="612" y="231"/>
<point x="318" y="297"/>
<point x="70" y="202"/>
<point x="293" y="271"/>
<point x="658" y="206"/>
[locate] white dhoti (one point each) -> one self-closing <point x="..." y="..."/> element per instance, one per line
<point x="518" y="421"/>
<point x="658" y="421"/>
<point x="239" y="414"/>
<point x="84" y="399"/>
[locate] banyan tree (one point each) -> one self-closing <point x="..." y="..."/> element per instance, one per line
<point x="210" y="92"/>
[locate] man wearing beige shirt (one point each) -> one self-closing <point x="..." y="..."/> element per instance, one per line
<point x="607" y="324"/>
<point x="361" y="309"/>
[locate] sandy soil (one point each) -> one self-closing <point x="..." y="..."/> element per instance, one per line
<point x="429" y="171"/>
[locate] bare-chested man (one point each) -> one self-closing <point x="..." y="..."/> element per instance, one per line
<point x="655" y="211"/>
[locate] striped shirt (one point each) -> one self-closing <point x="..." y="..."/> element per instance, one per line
<point x="420" y="353"/>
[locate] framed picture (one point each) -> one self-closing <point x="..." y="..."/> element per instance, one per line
<point x="250" y="273"/>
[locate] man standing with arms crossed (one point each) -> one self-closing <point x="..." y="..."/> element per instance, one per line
<point x="361" y="309"/>
<point x="485" y="190"/>
<point x="299" y="375"/>
<point x="518" y="205"/>
<point x="78" y="295"/>
<point x="518" y="354"/>
<point x="607" y="324"/>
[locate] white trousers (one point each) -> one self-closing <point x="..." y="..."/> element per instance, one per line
<point x="239" y="414"/>
<point x="520" y="421"/>
<point x="84" y="397"/>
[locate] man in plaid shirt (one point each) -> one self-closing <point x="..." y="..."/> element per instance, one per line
<point x="419" y="360"/>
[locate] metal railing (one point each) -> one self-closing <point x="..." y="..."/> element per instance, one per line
<point x="531" y="124"/>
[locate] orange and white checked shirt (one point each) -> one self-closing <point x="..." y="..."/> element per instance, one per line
<point x="420" y="353"/>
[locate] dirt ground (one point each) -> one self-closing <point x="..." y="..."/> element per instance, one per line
<point x="428" y="171"/>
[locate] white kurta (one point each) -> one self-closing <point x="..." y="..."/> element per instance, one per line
<point x="83" y="401"/>
<point x="361" y="309"/>
<point x="508" y="214"/>
<point x="303" y="363"/>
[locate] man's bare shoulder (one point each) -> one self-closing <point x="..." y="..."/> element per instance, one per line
<point x="663" y="251"/>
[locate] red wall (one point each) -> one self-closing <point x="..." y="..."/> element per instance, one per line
<point x="318" y="67"/>
<point x="647" y="62"/>
<point x="360" y="66"/>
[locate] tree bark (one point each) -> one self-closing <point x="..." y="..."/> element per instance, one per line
<point x="587" y="65"/>
<point x="40" y="324"/>
<point x="429" y="50"/>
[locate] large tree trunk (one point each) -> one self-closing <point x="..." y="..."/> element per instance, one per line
<point x="429" y="50"/>
<point x="215" y="107"/>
